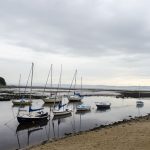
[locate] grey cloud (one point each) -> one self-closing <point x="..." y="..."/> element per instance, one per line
<point x="77" y="28"/>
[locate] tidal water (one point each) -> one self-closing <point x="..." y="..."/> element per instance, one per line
<point x="15" y="136"/>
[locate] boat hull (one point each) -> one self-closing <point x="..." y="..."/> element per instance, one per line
<point x="139" y="104"/>
<point x="42" y="117"/>
<point x="61" y="113"/>
<point x="52" y="100"/>
<point x="103" y="106"/>
<point x="83" y="108"/>
<point x="21" y="102"/>
<point x="74" y="99"/>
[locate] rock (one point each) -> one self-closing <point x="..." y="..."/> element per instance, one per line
<point x="2" y="82"/>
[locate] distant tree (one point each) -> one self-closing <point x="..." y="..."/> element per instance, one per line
<point x="2" y="81"/>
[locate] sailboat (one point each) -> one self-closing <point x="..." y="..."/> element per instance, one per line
<point x="77" y="96"/>
<point x="52" y="97"/>
<point x="139" y="103"/>
<point x="34" y="115"/>
<point x="61" y="111"/>
<point x="22" y="101"/>
<point x="61" y="108"/>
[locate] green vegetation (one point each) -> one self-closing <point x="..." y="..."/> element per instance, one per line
<point x="2" y="82"/>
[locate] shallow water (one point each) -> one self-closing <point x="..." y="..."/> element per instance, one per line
<point x="14" y="136"/>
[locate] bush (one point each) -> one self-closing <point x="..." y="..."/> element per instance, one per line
<point x="2" y="81"/>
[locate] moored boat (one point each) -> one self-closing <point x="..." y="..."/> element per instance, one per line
<point x="61" y="110"/>
<point x="103" y="105"/>
<point x="33" y="117"/>
<point x="21" y="102"/>
<point x="75" y="98"/>
<point x="139" y="103"/>
<point x="52" y="99"/>
<point x="83" y="107"/>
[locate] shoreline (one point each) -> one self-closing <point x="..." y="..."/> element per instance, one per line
<point x="77" y="140"/>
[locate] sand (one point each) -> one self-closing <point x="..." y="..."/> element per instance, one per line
<point x="132" y="135"/>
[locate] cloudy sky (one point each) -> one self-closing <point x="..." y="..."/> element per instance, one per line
<point x="107" y="41"/>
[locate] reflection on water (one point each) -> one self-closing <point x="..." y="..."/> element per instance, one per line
<point x="103" y="109"/>
<point x="20" y="136"/>
<point x="29" y="128"/>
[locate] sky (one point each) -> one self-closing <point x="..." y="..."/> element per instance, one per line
<point x="107" y="41"/>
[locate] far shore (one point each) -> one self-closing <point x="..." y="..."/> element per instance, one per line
<point x="11" y="92"/>
<point x="131" y="134"/>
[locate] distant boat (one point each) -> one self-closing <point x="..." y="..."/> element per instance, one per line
<point x="77" y="96"/>
<point x="83" y="107"/>
<point x="139" y="103"/>
<point x="52" y="97"/>
<point x="22" y="101"/>
<point x="103" y="105"/>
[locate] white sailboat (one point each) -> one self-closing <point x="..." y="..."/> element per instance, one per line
<point x="62" y="110"/>
<point x="139" y="103"/>
<point x="22" y="101"/>
<point x="76" y="97"/>
<point x="52" y="97"/>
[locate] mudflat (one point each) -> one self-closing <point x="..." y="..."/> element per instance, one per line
<point x="132" y="135"/>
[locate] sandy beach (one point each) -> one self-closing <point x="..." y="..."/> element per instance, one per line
<point x="130" y="135"/>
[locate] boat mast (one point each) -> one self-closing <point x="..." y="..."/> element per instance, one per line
<point x="59" y="84"/>
<point x="31" y="79"/>
<point x="19" y="84"/>
<point x="51" y="77"/>
<point x="75" y="80"/>
<point x="81" y="85"/>
<point x="139" y="92"/>
<point x="47" y="80"/>
<point x="72" y="82"/>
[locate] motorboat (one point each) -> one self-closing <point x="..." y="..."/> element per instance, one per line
<point x="83" y="107"/>
<point x="103" y="105"/>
